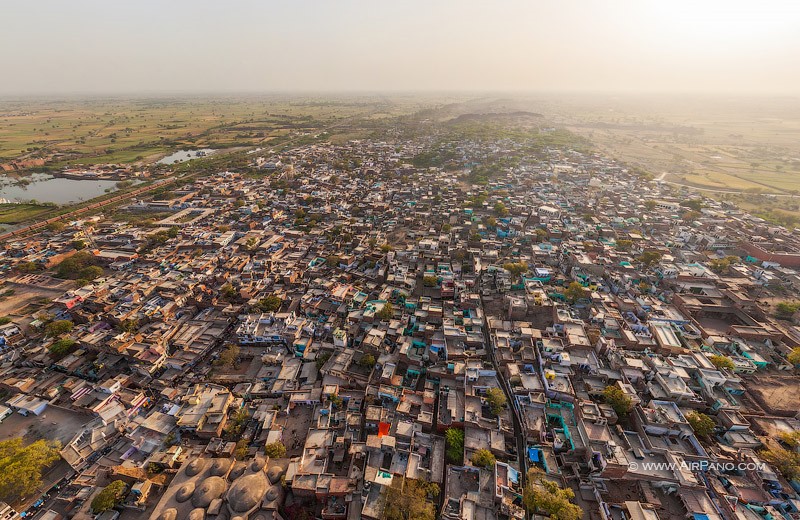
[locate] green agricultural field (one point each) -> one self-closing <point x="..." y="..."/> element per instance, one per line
<point x="93" y="131"/>
<point x="714" y="143"/>
<point x="16" y="213"/>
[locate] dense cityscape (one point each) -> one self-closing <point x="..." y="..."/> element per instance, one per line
<point x="407" y="327"/>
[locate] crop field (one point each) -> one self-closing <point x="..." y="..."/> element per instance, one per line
<point x="119" y="131"/>
<point x="16" y="213"/>
<point x="744" y="145"/>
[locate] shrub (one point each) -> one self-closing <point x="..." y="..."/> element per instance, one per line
<point x="483" y="458"/>
<point x="275" y="450"/>
<point x="110" y="496"/>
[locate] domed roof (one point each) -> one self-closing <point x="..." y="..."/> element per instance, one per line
<point x="237" y="471"/>
<point x="215" y="507"/>
<point x="274" y="474"/>
<point x="247" y="492"/>
<point x="274" y="493"/>
<point x="169" y="514"/>
<point x="211" y="488"/>
<point x="197" y="514"/>
<point x="219" y="467"/>
<point x="257" y="465"/>
<point x="195" y="467"/>
<point x="185" y="492"/>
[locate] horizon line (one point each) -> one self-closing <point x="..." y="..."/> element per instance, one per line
<point x="387" y="92"/>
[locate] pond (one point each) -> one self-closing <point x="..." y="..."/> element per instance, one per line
<point x="45" y="188"/>
<point x="186" y="155"/>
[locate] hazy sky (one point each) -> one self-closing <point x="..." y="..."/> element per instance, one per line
<point x="115" y="46"/>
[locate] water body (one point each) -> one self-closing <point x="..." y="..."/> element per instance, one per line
<point x="45" y="188"/>
<point x="186" y="155"/>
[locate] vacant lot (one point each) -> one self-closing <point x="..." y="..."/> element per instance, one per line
<point x="25" y="296"/>
<point x="55" y="424"/>
<point x="776" y="394"/>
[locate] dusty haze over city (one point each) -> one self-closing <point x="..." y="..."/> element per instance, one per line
<point x="399" y="260"/>
<point x="95" y="46"/>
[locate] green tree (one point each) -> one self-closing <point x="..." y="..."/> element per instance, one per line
<point x="785" y="461"/>
<point x="322" y="359"/>
<point x="58" y="327"/>
<point x="574" y="292"/>
<point x="496" y="399"/>
<point x="454" y="443"/>
<point x="130" y="325"/>
<point x="702" y="424"/>
<point x="241" y="449"/>
<point x="624" y="245"/>
<point x="275" y="450"/>
<point x="650" y="258"/>
<point x="251" y="244"/>
<point x="722" y="362"/>
<point x="791" y="439"/>
<point x="483" y="458"/>
<point x="56" y="226"/>
<point x="541" y="495"/>
<point x="430" y="280"/>
<point x="407" y="499"/>
<point x="333" y="261"/>
<point x="228" y="291"/>
<point x="336" y="401"/>
<point x="733" y="259"/>
<point x="719" y="265"/>
<point x="693" y="204"/>
<point x="61" y="347"/>
<point x="459" y="255"/>
<point x="691" y="216"/>
<point x="90" y="272"/>
<point x="367" y="361"/>
<point x="500" y="209"/>
<point x="109" y="497"/>
<point x="229" y="356"/>
<point x="82" y="264"/>
<point x="515" y="268"/>
<point x="28" y="267"/>
<point x="386" y="312"/>
<point x="785" y="310"/>
<point x="21" y="466"/>
<point x="794" y="356"/>
<point x="269" y="304"/>
<point x="621" y="403"/>
<point x="236" y="424"/>
<point x="650" y="205"/>
<point x="78" y="244"/>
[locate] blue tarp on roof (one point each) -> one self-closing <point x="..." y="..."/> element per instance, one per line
<point x="533" y="454"/>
